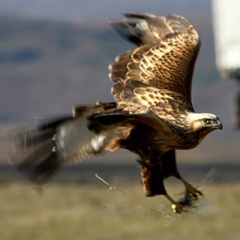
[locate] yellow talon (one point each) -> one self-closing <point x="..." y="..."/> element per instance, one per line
<point x="177" y="208"/>
<point x="190" y="189"/>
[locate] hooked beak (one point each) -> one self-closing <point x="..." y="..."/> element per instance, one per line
<point x="218" y="124"/>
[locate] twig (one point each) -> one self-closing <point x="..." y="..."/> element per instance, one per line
<point x="109" y="185"/>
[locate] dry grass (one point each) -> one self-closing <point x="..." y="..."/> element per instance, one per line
<point x="73" y="211"/>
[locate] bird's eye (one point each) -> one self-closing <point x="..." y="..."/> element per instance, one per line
<point x="205" y="120"/>
<point x="208" y="121"/>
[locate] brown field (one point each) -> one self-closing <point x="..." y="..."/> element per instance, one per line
<point x="93" y="211"/>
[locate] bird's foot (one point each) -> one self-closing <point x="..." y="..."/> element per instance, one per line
<point x="190" y="190"/>
<point x="193" y="192"/>
<point x="176" y="207"/>
<point x="191" y="196"/>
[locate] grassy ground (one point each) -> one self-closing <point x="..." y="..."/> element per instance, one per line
<point x="71" y="211"/>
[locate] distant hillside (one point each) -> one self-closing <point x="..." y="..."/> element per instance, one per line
<point x="46" y="67"/>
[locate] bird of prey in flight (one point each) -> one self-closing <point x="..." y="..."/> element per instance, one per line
<point x="152" y="114"/>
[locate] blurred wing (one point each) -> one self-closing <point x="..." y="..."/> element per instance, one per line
<point x="157" y="75"/>
<point x="39" y="152"/>
<point x="33" y="153"/>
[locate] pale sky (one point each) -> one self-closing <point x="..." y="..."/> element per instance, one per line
<point x="80" y="10"/>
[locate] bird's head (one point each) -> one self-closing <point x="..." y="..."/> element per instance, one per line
<point x="204" y="122"/>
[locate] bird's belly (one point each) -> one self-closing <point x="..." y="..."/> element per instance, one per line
<point x="147" y="138"/>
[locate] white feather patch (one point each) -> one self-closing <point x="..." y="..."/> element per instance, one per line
<point x="98" y="142"/>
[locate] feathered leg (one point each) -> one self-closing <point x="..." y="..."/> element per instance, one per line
<point x="152" y="180"/>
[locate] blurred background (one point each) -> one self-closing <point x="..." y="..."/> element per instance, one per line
<point x="54" y="54"/>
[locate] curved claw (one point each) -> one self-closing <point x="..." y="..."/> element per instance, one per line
<point x="193" y="192"/>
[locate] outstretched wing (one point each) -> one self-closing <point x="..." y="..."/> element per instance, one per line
<point x="39" y="152"/>
<point x="156" y="76"/>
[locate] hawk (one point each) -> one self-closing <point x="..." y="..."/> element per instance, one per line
<point x="152" y="115"/>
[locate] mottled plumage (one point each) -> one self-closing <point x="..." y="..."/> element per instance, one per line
<point x="152" y="116"/>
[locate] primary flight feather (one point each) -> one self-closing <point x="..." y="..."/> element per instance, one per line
<point x="152" y="116"/>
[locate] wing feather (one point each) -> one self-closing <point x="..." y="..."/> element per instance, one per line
<point x="39" y="152"/>
<point x="163" y="64"/>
